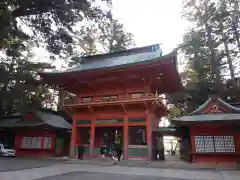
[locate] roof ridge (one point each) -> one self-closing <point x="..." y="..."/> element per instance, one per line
<point x="228" y="104"/>
<point x="210" y="99"/>
<point x="201" y="106"/>
<point x="76" y="69"/>
<point x="122" y="51"/>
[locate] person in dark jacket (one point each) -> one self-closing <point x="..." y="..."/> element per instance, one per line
<point x="118" y="146"/>
<point x="104" y="151"/>
<point x="81" y="150"/>
<point x="118" y="151"/>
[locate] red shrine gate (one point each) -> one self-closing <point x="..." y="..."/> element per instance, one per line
<point x="115" y="91"/>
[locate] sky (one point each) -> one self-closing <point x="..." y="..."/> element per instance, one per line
<point x="152" y="21"/>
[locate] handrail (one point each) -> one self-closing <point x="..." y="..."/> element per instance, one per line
<point x="120" y="98"/>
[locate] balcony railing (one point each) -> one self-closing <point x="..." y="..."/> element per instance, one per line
<point x="134" y="97"/>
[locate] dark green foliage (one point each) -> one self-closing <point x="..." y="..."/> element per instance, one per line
<point x="65" y="29"/>
<point x="49" y="21"/>
<point x="212" y="50"/>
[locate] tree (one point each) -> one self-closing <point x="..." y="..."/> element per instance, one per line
<point x="19" y="88"/>
<point x="201" y="12"/>
<point x="235" y="14"/>
<point x="19" y="81"/>
<point x="221" y="17"/>
<point x="209" y="52"/>
<point x="64" y="28"/>
<point x="107" y="35"/>
<point x="51" y="22"/>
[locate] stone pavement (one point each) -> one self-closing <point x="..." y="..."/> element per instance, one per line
<point x="37" y="173"/>
<point x="156" y="164"/>
<point x="103" y="176"/>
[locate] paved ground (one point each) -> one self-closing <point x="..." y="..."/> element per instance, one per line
<point x="103" y="176"/>
<point x="40" y="169"/>
<point x="13" y="164"/>
<point x="168" y="164"/>
<point x="63" y="170"/>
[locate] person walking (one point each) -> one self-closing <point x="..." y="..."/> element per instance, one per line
<point x="118" y="151"/>
<point x="81" y="150"/>
<point x="159" y="149"/>
<point x="103" y="151"/>
<point x="118" y="147"/>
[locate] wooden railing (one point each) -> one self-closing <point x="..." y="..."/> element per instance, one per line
<point x="110" y="99"/>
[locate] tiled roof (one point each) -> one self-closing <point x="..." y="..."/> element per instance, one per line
<point x="198" y="116"/>
<point x="122" y="60"/>
<point x="201" y="108"/>
<point x="53" y="119"/>
<point x="209" y="117"/>
<point x="43" y="118"/>
<point x="9" y="122"/>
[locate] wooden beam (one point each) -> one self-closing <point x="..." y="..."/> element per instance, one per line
<point x="148" y="84"/>
<point x="68" y="111"/>
<point x="75" y="85"/>
<point x="145" y="105"/>
<point x="124" y="87"/>
<point x="124" y="108"/>
<point x="91" y="109"/>
<point x="90" y="85"/>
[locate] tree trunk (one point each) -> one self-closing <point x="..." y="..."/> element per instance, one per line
<point x="60" y="99"/>
<point x="229" y="60"/>
<point x="235" y="21"/>
<point x="214" y="63"/>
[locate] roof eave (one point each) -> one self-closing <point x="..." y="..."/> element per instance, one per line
<point x="172" y="54"/>
<point x="209" y="101"/>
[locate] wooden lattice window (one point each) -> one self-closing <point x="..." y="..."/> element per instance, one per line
<point x="136" y="95"/>
<point x="214" y="144"/>
<point x="47" y="142"/>
<point x="108" y="98"/>
<point x="86" y="99"/>
<point x="31" y="142"/>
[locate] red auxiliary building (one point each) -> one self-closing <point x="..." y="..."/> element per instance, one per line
<point x="117" y="96"/>
<point x="214" y="131"/>
<point x="40" y="132"/>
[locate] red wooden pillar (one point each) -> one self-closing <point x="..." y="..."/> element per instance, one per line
<point x="149" y="135"/>
<point x="92" y="135"/>
<point x="192" y="140"/>
<point x="73" y="138"/>
<point x="125" y="136"/>
<point x="42" y="142"/>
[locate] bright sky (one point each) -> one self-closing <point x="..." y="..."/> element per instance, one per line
<point x="152" y="21"/>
